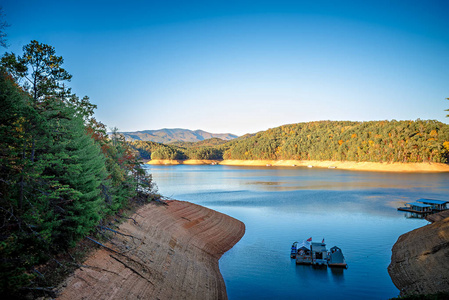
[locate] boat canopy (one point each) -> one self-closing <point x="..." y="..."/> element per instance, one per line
<point x="304" y="245"/>
<point x="431" y="201"/>
<point x="417" y="204"/>
<point x="319" y="247"/>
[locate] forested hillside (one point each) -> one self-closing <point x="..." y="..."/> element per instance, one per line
<point x="204" y="143"/>
<point x="61" y="175"/>
<point x="374" y="141"/>
<point x="152" y="150"/>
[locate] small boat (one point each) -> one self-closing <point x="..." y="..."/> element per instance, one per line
<point x="336" y="258"/>
<point x="309" y="166"/>
<point x="293" y="251"/>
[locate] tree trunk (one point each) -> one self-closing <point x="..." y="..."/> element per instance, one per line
<point x="22" y="177"/>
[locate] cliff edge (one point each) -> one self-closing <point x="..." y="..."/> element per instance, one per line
<point x="167" y="252"/>
<point x="420" y="260"/>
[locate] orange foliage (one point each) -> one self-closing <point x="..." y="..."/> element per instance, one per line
<point x="446" y="145"/>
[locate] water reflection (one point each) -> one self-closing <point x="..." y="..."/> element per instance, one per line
<point x="312" y="274"/>
<point x="338" y="275"/>
<point x="266" y="183"/>
<point x="411" y="215"/>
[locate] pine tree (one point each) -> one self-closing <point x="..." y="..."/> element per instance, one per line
<point x="77" y="167"/>
<point x="27" y="219"/>
<point x="51" y="169"/>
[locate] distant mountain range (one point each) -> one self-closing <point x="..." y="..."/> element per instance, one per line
<point x="167" y="136"/>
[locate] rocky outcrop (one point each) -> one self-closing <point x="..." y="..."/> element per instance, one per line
<point x="169" y="252"/>
<point x="438" y="216"/>
<point x="420" y="260"/>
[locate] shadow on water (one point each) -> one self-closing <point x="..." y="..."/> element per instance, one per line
<point x="318" y="273"/>
<point x="338" y="274"/>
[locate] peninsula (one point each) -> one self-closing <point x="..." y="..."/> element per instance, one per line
<point x="170" y="252"/>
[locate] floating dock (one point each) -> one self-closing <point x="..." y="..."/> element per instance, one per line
<point x="308" y="253"/>
<point x="425" y="206"/>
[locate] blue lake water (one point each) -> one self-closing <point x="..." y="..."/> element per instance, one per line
<point x="353" y="210"/>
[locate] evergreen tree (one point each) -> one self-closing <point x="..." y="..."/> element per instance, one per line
<point x="3" y="25"/>
<point x="17" y="227"/>
<point x="77" y="167"/>
<point x="60" y="174"/>
<point x="38" y="69"/>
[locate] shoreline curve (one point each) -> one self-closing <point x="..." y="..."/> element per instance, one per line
<point x="171" y="252"/>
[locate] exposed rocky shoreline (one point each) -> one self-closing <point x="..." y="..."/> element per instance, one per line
<point x="344" y="165"/>
<point x="420" y="258"/>
<point x="170" y="252"/>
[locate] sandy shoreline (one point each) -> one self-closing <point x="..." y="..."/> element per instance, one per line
<point x="345" y="165"/>
<point x="173" y="254"/>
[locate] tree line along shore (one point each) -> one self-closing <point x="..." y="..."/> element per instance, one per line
<point x="338" y="142"/>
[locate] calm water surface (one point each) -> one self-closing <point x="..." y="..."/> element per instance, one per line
<point x="353" y="210"/>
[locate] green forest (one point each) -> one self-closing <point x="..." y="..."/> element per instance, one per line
<point x="62" y="177"/>
<point x="207" y="149"/>
<point x="373" y="141"/>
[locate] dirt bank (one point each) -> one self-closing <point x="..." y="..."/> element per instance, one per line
<point x="346" y="165"/>
<point x="173" y="254"/>
<point x="419" y="260"/>
<point x="438" y="216"/>
<point x="182" y="162"/>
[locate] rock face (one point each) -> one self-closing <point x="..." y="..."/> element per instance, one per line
<point x="171" y="252"/>
<point x="438" y="216"/>
<point x="420" y="260"/>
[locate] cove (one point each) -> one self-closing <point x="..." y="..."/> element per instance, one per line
<point x="279" y="205"/>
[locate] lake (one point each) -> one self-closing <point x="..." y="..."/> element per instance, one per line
<point x="279" y="205"/>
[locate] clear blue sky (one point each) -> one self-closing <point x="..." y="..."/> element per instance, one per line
<point x="245" y="66"/>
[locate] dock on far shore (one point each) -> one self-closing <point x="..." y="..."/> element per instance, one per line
<point x="425" y="206"/>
